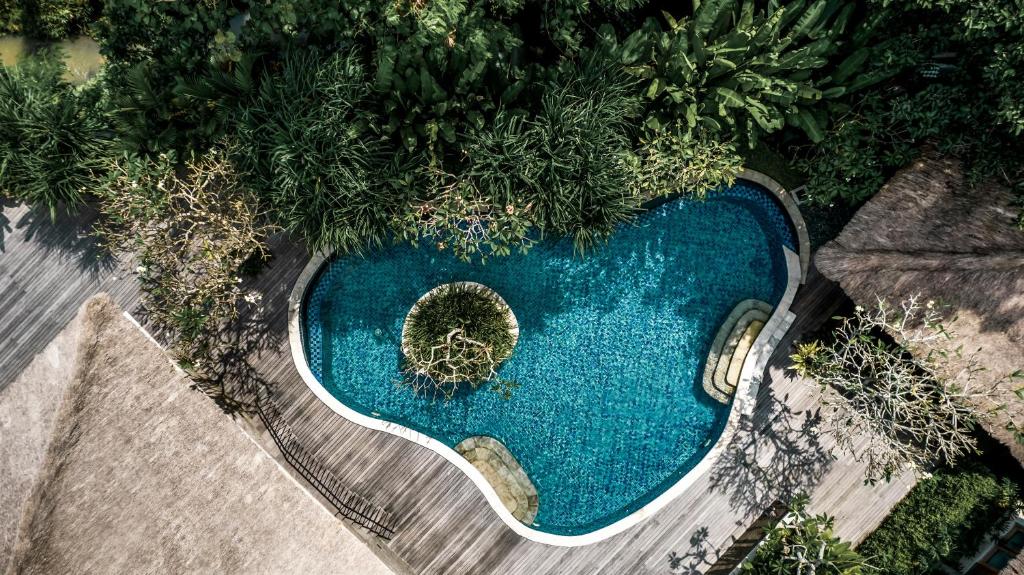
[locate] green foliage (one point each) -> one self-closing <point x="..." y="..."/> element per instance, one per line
<point x="967" y="63"/>
<point x="148" y="118"/>
<point x="10" y="16"/>
<point x="304" y="147"/>
<point x="570" y="164"/>
<point x="480" y="124"/>
<point x="176" y="36"/>
<point x="471" y="221"/>
<point x="151" y="47"/>
<point x="943" y="519"/>
<point x="316" y="22"/>
<point x="804" y="543"/>
<point x="52" y="140"/>
<point x="458" y="334"/>
<point x="441" y="67"/>
<point x="669" y="163"/>
<point x="736" y="68"/>
<point x="56" y="19"/>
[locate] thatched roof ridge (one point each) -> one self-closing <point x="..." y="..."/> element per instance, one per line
<point x="928" y="232"/>
<point x="145" y="475"/>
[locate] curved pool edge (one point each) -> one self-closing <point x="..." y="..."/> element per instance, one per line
<point x="790" y="204"/>
<point x="744" y="400"/>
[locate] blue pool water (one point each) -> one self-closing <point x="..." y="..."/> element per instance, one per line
<point x="611" y="411"/>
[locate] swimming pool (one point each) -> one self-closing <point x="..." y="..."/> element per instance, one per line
<point x="611" y="411"/>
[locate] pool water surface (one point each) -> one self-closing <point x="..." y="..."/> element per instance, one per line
<point x="611" y="410"/>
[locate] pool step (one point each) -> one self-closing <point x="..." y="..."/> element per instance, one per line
<point x="503" y="472"/>
<point x="730" y="347"/>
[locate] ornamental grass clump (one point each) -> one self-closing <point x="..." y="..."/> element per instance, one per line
<point x="458" y="334"/>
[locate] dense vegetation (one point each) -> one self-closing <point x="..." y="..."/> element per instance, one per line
<point x="357" y="123"/>
<point x="955" y="67"/>
<point x="52" y="148"/>
<point x="804" y="543"/>
<point x="45" y="19"/>
<point x="943" y="519"/>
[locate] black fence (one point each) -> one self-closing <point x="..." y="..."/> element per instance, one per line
<point x="350" y="505"/>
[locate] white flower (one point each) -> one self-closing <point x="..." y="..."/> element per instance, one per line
<point x="141" y="269"/>
<point x="926" y="475"/>
<point x="253" y="297"/>
<point x="858" y="309"/>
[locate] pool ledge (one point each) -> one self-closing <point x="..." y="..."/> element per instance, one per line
<point x="743" y="406"/>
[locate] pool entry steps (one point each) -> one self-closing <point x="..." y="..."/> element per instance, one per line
<point x="503" y="472"/>
<point x="730" y="347"/>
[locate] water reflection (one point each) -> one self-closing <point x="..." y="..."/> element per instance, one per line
<point x="81" y="54"/>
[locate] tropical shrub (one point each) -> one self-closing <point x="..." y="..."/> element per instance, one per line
<point x="944" y="518"/>
<point x="10" y="16"/>
<point x="312" y="22"/>
<point x="443" y="66"/>
<point x="458" y="214"/>
<point x="913" y="406"/>
<point x="668" y="163"/>
<point x="56" y="19"/>
<point x="175" y="36"/>
<point x="958" y="66"/>
<point x="802" y="543"/>
<point x="151" y="49"/>
<point x="739" y="69"/>
<point x="193" y="228"/>
<point x="459" y="334"/>
<point x="864" y="146"/>
<point x="570" y="163"/>
<point x="303" y="146"/>
<point x="52" y="138"/>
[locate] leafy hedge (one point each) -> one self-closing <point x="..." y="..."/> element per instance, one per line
<point x="10" y="16"/>
<point x="944" y="518"/>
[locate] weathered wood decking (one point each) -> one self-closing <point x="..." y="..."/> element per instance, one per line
<point x="445" y="525"/>
<point x="47" y="270"/>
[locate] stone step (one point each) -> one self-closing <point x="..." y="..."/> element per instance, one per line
<point x="730" y="347"/>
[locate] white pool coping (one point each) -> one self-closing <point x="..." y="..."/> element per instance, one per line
<point x="743" y="403"/>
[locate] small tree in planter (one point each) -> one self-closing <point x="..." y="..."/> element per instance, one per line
<point x="803" y="544"/>
<point x="457" y="334"/>
<point x="908" y="396"/>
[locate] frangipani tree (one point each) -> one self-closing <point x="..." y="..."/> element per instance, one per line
<point x="901" y="398"/>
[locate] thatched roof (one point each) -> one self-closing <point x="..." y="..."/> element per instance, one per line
<point x="144" y="475"/>
<point x="928" y="232"/>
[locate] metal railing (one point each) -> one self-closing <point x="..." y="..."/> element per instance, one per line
<point x="349" y="504"/>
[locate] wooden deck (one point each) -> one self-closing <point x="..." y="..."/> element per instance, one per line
<point x="444" y="523"/>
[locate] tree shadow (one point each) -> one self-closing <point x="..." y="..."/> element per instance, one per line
<point x="5" y="222"/>
<point x="774" y="455"/>
<point x="699" y="556"/>
<point x="67" y="235"/>
<point x="231" y="375"/>
<point x="234" y="382"/>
